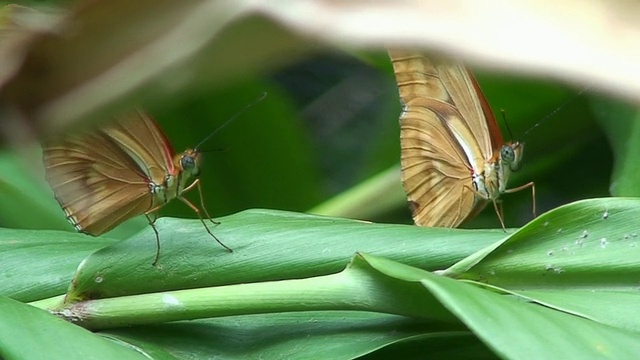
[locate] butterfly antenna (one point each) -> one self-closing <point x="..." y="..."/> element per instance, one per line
<point x="506" y="123"/>
<point x="254" y="102"/>
<point x="554" y="112"/>
<point x="215" y="149"/>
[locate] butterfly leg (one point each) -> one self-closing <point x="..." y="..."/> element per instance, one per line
<point x="197" y="211"/>
<point x="153" y="226"/>
<point x="197" y="183"/>
<point x="531" y="185"/>
<point x="498" y="210"/>
<point x="495" y="206"/>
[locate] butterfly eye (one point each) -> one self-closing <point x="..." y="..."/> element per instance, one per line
<point x="507" y="154"/>
<point x="188" y="164"/>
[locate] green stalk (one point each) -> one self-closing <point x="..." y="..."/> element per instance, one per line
<point x="355" y="288"/>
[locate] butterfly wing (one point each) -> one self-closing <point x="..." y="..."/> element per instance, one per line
<point x="434" y="172"/>
<point x="440" y="150"/>
<point x="142" y="140"/>
<point x="476" y="114"/>
<point x="102" y="177"/>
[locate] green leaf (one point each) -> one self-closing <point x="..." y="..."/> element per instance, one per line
<point x="519" y="330"/>
<point x="592" y="304"/>
<point x="40" y="264"/>
<point x="590" y="243"/>
<point x="299" y="275"/>
<point x="338" y="334"/>
<point x="30" y="333"/>
<point x="579" y="258"/>
<point x="268" y="245"/>
<point x="534" y="331"/>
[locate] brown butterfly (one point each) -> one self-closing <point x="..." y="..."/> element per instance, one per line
<point x="127" y="168"/>
<point x="453" y="157"/>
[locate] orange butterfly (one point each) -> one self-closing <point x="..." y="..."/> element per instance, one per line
<point x="453" y="156"/>
<point x="125" y="169"/>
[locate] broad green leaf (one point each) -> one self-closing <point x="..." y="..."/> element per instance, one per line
<point x="40" y="264"/>
<point x="519" y="330"/>
<point x="579" y="258"/>
<point x="516" y="329"/>
<point x="590" y="243"/>
<point x="335" y="334"/>
<point x="371" y="283"/>
<point x="30" y="333"/>
<point x="446" y="346"/>
<point x="359" y="287"/>
<point x="592" y="304"/>
<point x="268" y="245"/>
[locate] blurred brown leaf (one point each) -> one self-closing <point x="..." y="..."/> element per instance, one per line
<point x="584" y="42"/>
<point x="110" y="55"/>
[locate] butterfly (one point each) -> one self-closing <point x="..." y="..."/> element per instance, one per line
<point x="104" y="176"/>
<point x="453" y="158"/>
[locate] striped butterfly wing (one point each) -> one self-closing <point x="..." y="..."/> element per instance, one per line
<point x="434" y="171"/>
<point x="102" y="177"/>
<point x="473" y="107"/>
<point x="139" y="136"/>
<point x="445" y="139"/>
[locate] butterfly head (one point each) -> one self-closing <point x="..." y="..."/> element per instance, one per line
<point x="189" y="162"/>
<point x="511" y="155"/>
